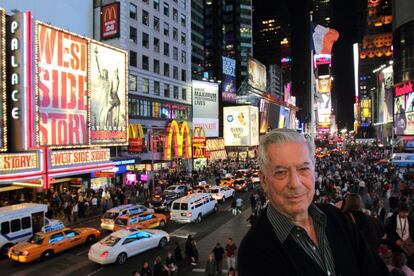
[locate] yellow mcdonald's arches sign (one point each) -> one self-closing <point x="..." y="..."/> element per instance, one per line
<point x="199" y="137"/>
<point x="198" y="153"/>
<point x="178" y="137"/>
<point x="136" y="138"/>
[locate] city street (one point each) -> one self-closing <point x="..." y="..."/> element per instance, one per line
<point x="76" y="262"/>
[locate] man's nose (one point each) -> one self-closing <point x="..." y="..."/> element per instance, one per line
<point x="294" y="178"/>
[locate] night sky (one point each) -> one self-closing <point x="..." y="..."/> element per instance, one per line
<point x="346" y="19"/>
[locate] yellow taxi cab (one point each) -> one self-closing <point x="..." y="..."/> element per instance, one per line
<point x="228" y="181"/>
<point x="51" y="240"/>
<point x="140" y="221"/>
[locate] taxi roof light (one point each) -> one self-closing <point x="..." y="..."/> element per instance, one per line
<point x="53" y="227"/>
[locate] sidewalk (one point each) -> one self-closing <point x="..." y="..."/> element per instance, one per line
<point x="235" y="228"/>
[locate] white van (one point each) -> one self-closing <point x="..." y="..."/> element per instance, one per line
<point x="108" y="219"/>
<point x="192" y="207"/>
<point x="19" y="222"/>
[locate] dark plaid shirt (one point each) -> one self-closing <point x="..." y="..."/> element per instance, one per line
<point x="322" y="253"/>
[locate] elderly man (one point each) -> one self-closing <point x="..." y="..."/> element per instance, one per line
<point x="293" y="236"/>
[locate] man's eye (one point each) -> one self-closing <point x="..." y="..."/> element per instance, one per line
<point x="304" y="169"/>
<point x="279" y="172"/>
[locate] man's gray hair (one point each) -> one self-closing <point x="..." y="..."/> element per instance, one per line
<point x="280" y="136"/>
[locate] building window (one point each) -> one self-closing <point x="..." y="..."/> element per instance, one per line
<point x="156" y="24"/>
<point x="183" y="4"/>
<point x="156" y="66"/>
<point x="175" y="15"/>
<point x="145" y="40"/>
<point x="146" y="1"/>
<point x="132" y="11"/>
<point x="144" y="108"/>
<point x="166" y="29"/>
<point x="184" y="94"/>
<point x="145" y="17"/>
<point x="145" y="63"/>
<point x="156" y="45"/>
<point x="132" y="58"/>
<point x="157" y="4"/>
<point x="183" y="20"/>
<point x="175" y="53"/>
<point x="183" y="39"/>
<point x="156" y="88"/>
<point x="166" y="49"/>
<point x="166" y="90"/>
<point x="166" y="9"/>
<point x="183" y="57"/>
<point x="175" y="34"/>
<point x="175" y="73"/>
<point x="132" y="82"/>
<point x="133" y="34"/>
<point x="175" y="92"/>
<point x="145" y="85"/>
<point x="183" y="75"/>
<point x="166" y="69"/>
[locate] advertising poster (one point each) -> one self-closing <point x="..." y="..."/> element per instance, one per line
<point x="403" y="109"/>
<point x="228" y="85"/>
<point x="62" y="87"/>
<point x="324" y="110"/>
<point x="110" y="21"/>
<point x="384" y="112"/>
<point x="108" y="95"/>
<point x="257" y="74"/>
<point x="205" y="107"/>
<point x="241" y="125"/>
<point x="3" y="138"/>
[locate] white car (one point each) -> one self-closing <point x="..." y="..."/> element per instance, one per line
<point x="125" y="243"/>
<point x="178" y="189"/>
<point x="221" y="193"/>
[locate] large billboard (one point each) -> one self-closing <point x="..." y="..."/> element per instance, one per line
<point x="269" y="116"/>
<point x="324" y="110"/>
<point x="257" y="74"/>
<point x="3" y="126"/>
<point x="241" y="125"/>
<point x="108" y="94"/>
<point x="81" y="90"/>
<point x="62" y="87"/>
<point x="403" y="109"/>
<point x="205" y="107"/>
<point x="385" y="86"/>
<point x="228" y="85"/>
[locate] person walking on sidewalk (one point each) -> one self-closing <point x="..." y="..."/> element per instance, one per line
<point x="218" y="252"/>
<point x="294" y="236"/>
<point x="191" y="250"/>
<point x="211" y="265"/>
<point x="75" y="211"/>
<point x="146" y="269"/>
<point x="231" y="251"/>
<point x="234" y="206"/>
<point x="239" y="204"/>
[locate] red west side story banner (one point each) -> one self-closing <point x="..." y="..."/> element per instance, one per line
<point x="62" y="84"/>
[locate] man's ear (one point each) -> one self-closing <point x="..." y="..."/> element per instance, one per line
<point x="263" y="180"/>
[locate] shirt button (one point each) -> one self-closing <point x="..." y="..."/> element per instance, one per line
<point x="314" y="248"/>
<point x="329" y="273"/>
<point x="297" y="235"/>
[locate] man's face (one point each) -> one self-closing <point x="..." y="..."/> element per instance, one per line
<point x="289" y="178"/>
<point x="403" y="214"/>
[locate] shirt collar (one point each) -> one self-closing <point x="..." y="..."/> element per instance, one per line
<point x="283" y="226"/>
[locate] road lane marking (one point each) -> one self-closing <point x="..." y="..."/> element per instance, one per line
<point x="96" y="271"/>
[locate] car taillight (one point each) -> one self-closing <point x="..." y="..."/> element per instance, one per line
<point x="25" y="253"/>
<point x="189" y="214"/>
<point x="104" y="254"/>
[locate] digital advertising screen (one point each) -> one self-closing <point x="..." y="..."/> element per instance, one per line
<point x="241" y="125"/>
<point x="205" y="107"/>
<point x="269" y="116"/>
<point x="110" y="19"/>
<point x="62" y="83"/>
<point x="324" y="110"/>
<point x="403" y="109"/>
<point x="257" y="74"/>
<point x="284" y="117"/>
<point x="385" y="101"/>
<point x="108" y="96"/>
<point x="228" y="84"/>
